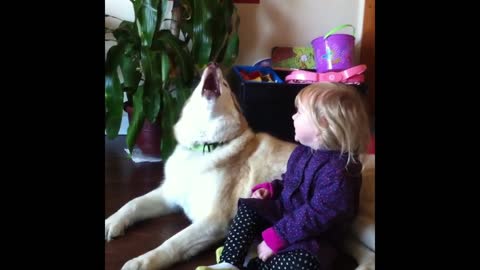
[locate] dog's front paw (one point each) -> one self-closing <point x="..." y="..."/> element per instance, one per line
<point x="138" y="263"/>
<point x="114" y="226"/>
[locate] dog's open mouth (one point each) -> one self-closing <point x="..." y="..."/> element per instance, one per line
<point x="211" y="88"/>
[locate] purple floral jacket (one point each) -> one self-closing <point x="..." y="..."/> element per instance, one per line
<point x="311" y="208"/>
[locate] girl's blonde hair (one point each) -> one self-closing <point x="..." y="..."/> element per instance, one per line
<point x="341" y="106"/>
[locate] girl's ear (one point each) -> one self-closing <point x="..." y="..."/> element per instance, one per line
<point x="323" y="122"/>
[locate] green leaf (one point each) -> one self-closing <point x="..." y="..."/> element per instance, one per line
<point x="126" y="33"/>
<point x="168" y="120"/>
<point x="183" y="93"/>
<point x="138" y="118"/>
<point x="236" y="19"/>
<point x="113" y="92"/>
<point x="130" y="64"/>
<point x="166" y="41"/>
<point x="222" y="27"/>
<point x="165" y="69"/>
<point x="186" y="23"/>
<point x="202" y="32"/>
<point x="231" y="16"/>
<point x="146" y="19"/>
<point x="231" y="51"/>
<point x="152" y="84"/>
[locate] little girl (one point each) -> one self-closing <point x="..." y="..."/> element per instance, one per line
<point x="302" y="217"/>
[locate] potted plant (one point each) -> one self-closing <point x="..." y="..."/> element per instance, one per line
<point x="157" y="67"/>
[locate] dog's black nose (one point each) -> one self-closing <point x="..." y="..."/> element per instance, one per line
<point x="213" y="65"/>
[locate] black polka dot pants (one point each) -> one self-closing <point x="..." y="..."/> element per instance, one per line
<point x="246" y="225"/>
<point x="291" y="260"/>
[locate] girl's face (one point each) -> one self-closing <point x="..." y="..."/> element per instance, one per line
<point x="306" y="132"/>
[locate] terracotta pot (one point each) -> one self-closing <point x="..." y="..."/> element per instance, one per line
<point x="149" y="138"/>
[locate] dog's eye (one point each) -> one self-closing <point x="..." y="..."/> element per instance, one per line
<point x="225" y="84"/>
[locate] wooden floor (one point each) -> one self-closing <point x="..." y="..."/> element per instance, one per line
<point x="125" y="180"/>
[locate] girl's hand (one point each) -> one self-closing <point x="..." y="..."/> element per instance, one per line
<point x="260" y="193"/>
<point x="264" y="251"/>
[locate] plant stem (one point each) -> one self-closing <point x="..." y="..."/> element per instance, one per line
<point x="176" y="15"/>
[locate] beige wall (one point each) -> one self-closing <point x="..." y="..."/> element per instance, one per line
<point x="292" y="23"/>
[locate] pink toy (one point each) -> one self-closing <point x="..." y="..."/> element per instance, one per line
<point x="353" y="75"/>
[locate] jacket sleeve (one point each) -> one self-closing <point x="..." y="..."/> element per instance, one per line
<point x="332" y="202"/>
<point x="274" y="188"/>
<point x="273" y="240"/>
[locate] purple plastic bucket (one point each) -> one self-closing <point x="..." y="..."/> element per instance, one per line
<point x="334" y="52"/>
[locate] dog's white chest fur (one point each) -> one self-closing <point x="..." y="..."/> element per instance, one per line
<point x="191" y="183"/>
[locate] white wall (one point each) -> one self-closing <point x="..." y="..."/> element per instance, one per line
<point x="276" y="23"/>
<point x="120" y="8"/>
<point x="293" y="23"/>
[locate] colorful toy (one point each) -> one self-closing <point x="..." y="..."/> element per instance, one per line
<point x="293" y="58"/>
<point x="255" y="76"/>
<point x="353" y="75"/>
<point x="334" y="52"/>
